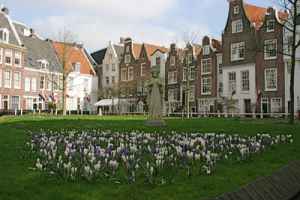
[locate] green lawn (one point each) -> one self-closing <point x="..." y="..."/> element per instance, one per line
<point x="17" y="181"/>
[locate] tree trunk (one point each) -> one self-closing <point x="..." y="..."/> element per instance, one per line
<point x="64" y="96"/>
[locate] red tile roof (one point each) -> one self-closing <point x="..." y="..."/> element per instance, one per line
<point x="150" y="49"/>
<point x="74" y="54"/>
<point x="256" y="14"/>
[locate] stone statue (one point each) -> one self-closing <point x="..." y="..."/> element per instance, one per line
<point x="155" y="100"/>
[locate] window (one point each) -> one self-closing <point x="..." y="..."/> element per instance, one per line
<point x="206" y="50"/>
<point x="271" y="79"/>
<point x="127" y="59"/>
<point x="270" y="49"/>
<point x="42" y="82"/>
<point x="237" y="51"/>
<point x="8" y="57"/>
<point x="76" y="67"/>
<point x="172" y="94"/>
<point x="172" y="77"/>
<point x="143" y="69"/>
<point x="220" y="87"/>
<point x="184" y="74"/>
<point x="43" y="64"/>
<point x="236" y="10"/>
<point x="237" y="26"/>
<point x="127" y="49"/>
<point x="192" y="74"/>
<point x="124" y="74"/>
<point x="245" y="81"/>
<point x="276" y="105"/>
<point x="7" y="79"/>
<point x="173" y="60"/>
<point x="113" y="67"/>
<point x="130" y="74"/>
<point x="270" y="25"/>
<point x="18" y="56"/>
<point x="158" y="61"/>
<point x="71" y="83"/>
<point x="1" y="55"/>
<point x="33" y="85"/>
<point x="4" y="35"/>
<point x="192" y="93"/>
<point x="113" y="80"/>
<point x="206" y="86"/>
<point x="15" y="102"/>
<point x="190" y="58"/>
<point x="27" y="84"/>
<point x="232" y="82"/>
<point x="206" y="66"/>
<point x="220" y="69"/>
<point x="107" y="80"/>
<point x="0" y="77"/>
<point x="107" y="67"/>
<point x="17" y="80"/>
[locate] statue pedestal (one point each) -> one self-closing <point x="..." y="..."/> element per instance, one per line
<point x="155" y="123"/>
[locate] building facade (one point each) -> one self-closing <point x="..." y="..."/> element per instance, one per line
<point x="82" y="81"/>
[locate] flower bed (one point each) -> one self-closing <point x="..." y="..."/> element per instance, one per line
<point x="151" y="157"/>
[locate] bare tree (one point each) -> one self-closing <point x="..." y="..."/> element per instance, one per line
<point x="290" y="25"/>
<point x="66" y="43"/>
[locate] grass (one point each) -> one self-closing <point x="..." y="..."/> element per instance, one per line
<point x="17" y="181"/>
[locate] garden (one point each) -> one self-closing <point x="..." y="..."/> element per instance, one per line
<point x="119" y="158"/>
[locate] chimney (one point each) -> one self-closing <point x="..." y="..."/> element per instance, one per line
<point x="4" y="9"/>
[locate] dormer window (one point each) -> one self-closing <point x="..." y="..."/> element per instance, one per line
<point x="43" y="64"/>
<point x="237" y="26"/>
<point x="76" y="67"/>
<point x="127" y="49"/>
<point x="4" y="35"/>
<point x="158" y="61"/>
<point x="236" y="10"/>
<point x="270" y="25"/>
<point x="127" y="59"/>
<point x="206" y="50"/>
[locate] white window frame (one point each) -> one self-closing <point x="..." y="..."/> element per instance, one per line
<point x="17" y="85"/>
<point x="5" y="84"/>
<point x="267" y="85"/>
<point x="18" y="55"/>
<point x="206" y="50"/>
<point x="206" y="84"/>
<point x="232" y="82"/>
<point x="172" y="77"/>
<point x="127" y="59"/>
<point x="27" y="84"/>
<point x="143" y="69"/>
<point x="236" y="10"/>
<point x="173" y="60"/>
<point x="245" y="81"/>
<point x="124" y="76"/>
<point x="34" y="84"/>
<point x="276" y="109"/>
<point x="267" y="44"/>
<point x="236" y="49"/>
<point x="11" y="101"/>
<point x="5" y="32"/>
<point x="206" y="66"/>
<point x="130" y="76"/>
<point x="8" y="54"/>
<point x="237" y="26"/>
<point x="268" y="25"/>
<point x="44" y="83"/>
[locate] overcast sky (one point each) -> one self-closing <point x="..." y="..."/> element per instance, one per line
<point x="95" y="22"/>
